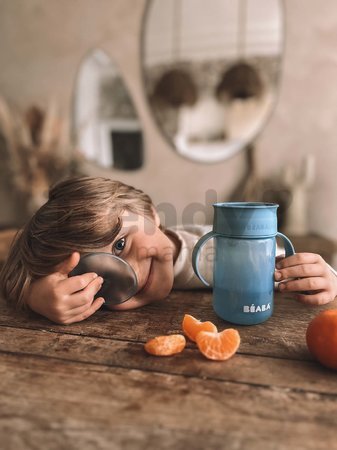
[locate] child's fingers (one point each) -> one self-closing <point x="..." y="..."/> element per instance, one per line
<point x="86" y="295"/>
<point x="81" y="309"/>
<point x="304" y="284"/>
<point x="84" y="312"/>
<point x="78" y="283"/>
<point x="300" y="271"/>
<point x="298" y="259"/>
<point x="66" y="266"/>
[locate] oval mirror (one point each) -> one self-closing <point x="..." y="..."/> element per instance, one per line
<point x="105" y="123"/>
<point x="211" y="71"/>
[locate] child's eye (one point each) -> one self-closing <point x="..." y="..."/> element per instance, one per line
<point x="119" y="245"/>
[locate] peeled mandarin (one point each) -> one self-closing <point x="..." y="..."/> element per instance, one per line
<point x="218" y="346"/>
<point x="192" y="326"/>
<point x="166" y="345"/>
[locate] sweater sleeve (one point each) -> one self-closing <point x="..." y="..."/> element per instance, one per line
<point x="184" y="276"/>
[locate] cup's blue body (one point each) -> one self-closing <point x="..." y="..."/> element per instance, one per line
<point x="245" y="247"/>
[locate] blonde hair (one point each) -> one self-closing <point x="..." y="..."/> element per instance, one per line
<point x="81" y="214"/>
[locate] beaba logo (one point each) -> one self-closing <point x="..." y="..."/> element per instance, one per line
<point x="255" y="309"/>
<point x="258" y="226"/>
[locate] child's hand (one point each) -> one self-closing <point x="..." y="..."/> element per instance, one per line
<point x="314" y="282"/>
<point x="65" y="300"/>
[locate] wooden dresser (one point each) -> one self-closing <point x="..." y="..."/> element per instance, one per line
<point x="6" y="238"/>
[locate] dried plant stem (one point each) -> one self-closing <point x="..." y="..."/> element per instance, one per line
<point x="35" y="152"/>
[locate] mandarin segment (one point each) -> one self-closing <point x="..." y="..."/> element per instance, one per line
<point x="192" y="326"/>
<point x="321" y="337"/>
<point x="218" y="346"/>
<point x="166" y="345"/>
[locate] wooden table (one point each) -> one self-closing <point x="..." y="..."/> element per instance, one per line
<point x="92" y="386"/>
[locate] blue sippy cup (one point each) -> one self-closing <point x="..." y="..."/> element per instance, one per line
<point x="244" y="265"/>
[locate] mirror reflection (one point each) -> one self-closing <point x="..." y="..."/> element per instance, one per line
<point x="106" y="126"/>
<point x="211" y="71"/>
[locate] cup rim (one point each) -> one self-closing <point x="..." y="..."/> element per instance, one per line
<point x="246" y="205"/>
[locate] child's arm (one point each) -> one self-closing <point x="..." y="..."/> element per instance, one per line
<point x="62" y="299"/>
<point x="310" y="273"/>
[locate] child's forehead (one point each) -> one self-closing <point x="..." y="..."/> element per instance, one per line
<point x="128" y="216"/>
<point x="135" y="222"/>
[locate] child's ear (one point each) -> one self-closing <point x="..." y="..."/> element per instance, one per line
<point x="156" y="216"/>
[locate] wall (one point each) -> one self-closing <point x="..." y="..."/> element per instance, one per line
<point x="306" y="115"/>
<point x="219" y="34"/>
<point x="43" y="43"/>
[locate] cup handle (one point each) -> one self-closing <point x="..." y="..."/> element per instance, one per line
<point x="195" y="255"/>
<point x="288" y="246"/>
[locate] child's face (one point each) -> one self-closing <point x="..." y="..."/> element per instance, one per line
<point x="149" y="252"/>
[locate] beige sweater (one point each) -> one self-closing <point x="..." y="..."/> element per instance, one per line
<point x="184" y="276"/>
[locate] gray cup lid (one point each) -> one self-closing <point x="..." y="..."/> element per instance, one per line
<point x="120" y="280"/>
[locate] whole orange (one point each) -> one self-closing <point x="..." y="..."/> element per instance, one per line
<point x="322" y="338"/>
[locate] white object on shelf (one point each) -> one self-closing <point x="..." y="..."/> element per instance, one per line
<point x="299" y="182"/>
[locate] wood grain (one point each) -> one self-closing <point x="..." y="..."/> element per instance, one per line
<point x="250" y="369"/>
<point x="282" y="336"/>
<point x="92" y="386"/>
<point x="54" y="404"/>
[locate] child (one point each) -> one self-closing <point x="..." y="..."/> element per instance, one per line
<point x="89" y="214"/>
